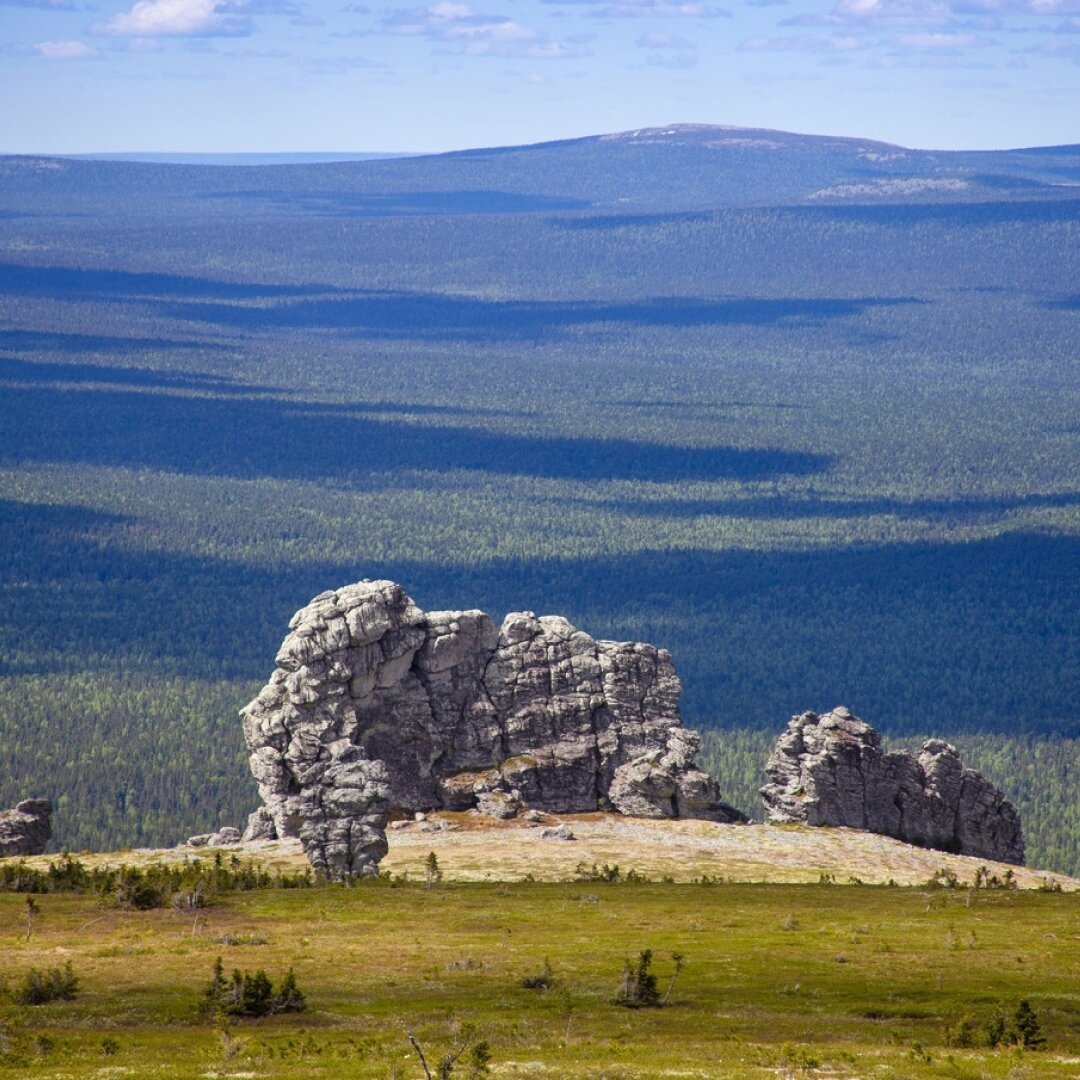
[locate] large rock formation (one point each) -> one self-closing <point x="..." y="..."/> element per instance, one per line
<point x="831" y="770"/>
<point x="26" y="829"/>
<point x="377" y="706"/>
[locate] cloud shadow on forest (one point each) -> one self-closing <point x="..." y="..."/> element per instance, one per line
<point x="79" y="344"/>
<point x="978" y="633"/>
<point x="791" y="507"/>
<point x="343" y="204"/>
<point x="390" y="315"/>
<point x="83" y="283"/>
<point x="16" y="370"/>
<point x="1065" y="303"/>
<point x="244" y="437"/>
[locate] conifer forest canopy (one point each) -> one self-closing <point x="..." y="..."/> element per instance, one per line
<point x="806" y="416"/>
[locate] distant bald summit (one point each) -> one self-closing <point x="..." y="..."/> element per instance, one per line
<point x="674" y="168"/>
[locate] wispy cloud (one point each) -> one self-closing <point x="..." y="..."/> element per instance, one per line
<point x="649" y="9"/>
<point x="668" y="51"/>
<point x="801" y="43"/>
<point x="43" y="5"/>
<point x="941" y="41"/>
<point x="179" y="18"/>
<point x="662" y="9"/>
<point x="477" y="34"/>
<point x="65" y="50"/>
<point x="928" y="11"/>
<point x="658" y="39"/>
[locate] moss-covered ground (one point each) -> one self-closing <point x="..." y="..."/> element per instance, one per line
<point x="779" y="980"/>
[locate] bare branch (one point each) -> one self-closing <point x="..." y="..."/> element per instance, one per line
<point x="420" y="1055"/>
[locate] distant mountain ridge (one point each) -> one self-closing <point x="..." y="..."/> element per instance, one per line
<point x="677" y="168"/>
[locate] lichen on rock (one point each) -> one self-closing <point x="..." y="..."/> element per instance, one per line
<point x="376" y="705"/>
<point x="831" y="770"/>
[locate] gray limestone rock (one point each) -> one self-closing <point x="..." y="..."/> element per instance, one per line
<point x="557" y="832"/>
<point x="832" y="770"/>
<point x="226" y="836"/>
<point x="26" y="829"/>
<point x="460" y="714"/>
<point x="260" y="826"/>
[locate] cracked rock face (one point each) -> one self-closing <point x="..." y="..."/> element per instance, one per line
<point x="376" y="705"/>
<point x="26" y="829"/>
<point x="831" y="770"/>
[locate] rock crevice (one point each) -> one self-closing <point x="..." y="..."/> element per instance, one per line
<point x="376" y="706"/>
<point x="832" y="770"/>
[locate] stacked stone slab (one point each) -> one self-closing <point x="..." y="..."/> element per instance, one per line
<point x="26" y="829"/>
<point x="377" y="706"/>
<point x="831" y="770"/>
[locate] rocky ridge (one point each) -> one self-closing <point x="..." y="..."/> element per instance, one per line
<point x="832" y="770"/>
<point x="376" y="706"/>
<point x="26" y="829"/>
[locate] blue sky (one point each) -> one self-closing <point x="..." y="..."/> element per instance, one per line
<point x="306" y="75"/>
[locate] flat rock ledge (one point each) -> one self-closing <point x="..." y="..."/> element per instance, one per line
<point x="831" y="770"/>
<point x="377" y="707"/>
<point x="26" y="829"/>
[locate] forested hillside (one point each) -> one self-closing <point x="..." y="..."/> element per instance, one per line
<point x="812" y="429"/>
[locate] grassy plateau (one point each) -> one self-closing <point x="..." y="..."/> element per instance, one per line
<point x="777" y="980"/>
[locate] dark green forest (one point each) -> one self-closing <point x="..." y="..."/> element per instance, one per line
<point x="824" y="448"/>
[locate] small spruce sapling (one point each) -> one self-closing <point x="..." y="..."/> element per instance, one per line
<point x="1026" y="1025"/>
<point x="638" y="989"/>
<point x="432" y="871"/>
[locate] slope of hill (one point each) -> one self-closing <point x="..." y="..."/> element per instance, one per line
<point x="684" y="167"/>
<point x="801" y="410"/>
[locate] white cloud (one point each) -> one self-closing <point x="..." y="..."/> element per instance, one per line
<point x="1056" y="7"/>
<point x="179" y="18"/>
<point x="801" y="43"/>
<point x="45" y="5"/>
<point x="663" y="9"/>
<point x="934" y="40"/>
<point x="477" y="34"/>
<point x="65" y="50"/>
<point x="660" y="40"/>
<point x="900" y="12"/>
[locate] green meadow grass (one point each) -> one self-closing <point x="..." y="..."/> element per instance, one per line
<point x="779" y="980"/>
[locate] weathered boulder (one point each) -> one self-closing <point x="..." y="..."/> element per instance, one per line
<point x="831" y="770"/>
<point x="414" y="711"/>
<point x="226" y="836"/>
<point x="260" y="826"/>
<point x="26" y="829"/>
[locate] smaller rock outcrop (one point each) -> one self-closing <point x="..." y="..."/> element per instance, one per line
<point x="226" y="836"/>
<point x="832" y="770"/>
<point x="26" y="829"/>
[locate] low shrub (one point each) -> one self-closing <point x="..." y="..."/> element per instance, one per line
<point x="41" y="987"/>
<point x="251" y="994"/>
